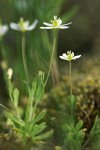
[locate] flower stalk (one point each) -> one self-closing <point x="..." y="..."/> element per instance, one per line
<point x="69" y="56"/>
<point x="53" y="50"/>
<point x="24" y="59"/>
<point x="70" y="73"/>
<point x="24" y="26"/>
<point x="55" y="24"/>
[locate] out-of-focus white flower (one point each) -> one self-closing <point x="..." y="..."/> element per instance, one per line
<point x="4" y="64"/>
<point x="69" y="56"/>
<point x="10" y="73"/>
<point x="3" y="29"/>
<point x="56" y="23"/>
<point x="23" y="26"/>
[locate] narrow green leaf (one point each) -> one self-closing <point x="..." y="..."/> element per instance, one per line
<point x="39" y="87"/>
<point x="96" y="127"/>
<point x="67" y="127"/>
<point x="79" y="125"/>
<point x="32" y="90"/>
<point x="39" y="117"/>
<point x="15" y="120"/>
<point x="27" y="112"/>
<point x="72" y="99"/>
<point x="43" y="136"/>
<point x="16" y="96"/>
<point x="38" y="128"/>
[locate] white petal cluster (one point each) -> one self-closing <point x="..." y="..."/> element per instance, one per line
<point x="3" y="29"/>
<point x="69" y="56"/>
<point x="55" y="24"/>
<point x="23" y="26"/>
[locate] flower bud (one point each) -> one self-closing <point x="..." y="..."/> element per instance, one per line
<point x="10" y="73"/>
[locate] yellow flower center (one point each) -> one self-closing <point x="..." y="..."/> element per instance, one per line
<point x="70" y="55"/>
<point x="55" y="23"/>
<point x="22" y="26"/>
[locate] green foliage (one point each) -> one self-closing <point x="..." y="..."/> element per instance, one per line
<point x="39" y="87"/>
<point x="94" y="135"/>
<point x="96" y="128"/>
<point x="39" y="117"/>
<point x="74" y="136"/>
<point x="72" y="107"/>
<point x="31" y="126"/>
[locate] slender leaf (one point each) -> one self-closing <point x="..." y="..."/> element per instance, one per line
<point x="43" y="136"/>
<point x="79" y="125"/>
<point x="15" y="120"/>
<point x="16" y="96"/>
<point x="39" y="87"/>
<point x="38" y="128"/>
<point x="39" y="117"/>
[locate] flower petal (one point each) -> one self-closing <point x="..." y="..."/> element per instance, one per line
<point x="3" y="30"/>
<point x="55" y="17"/>
<point x="26" y="24"/>
<point x="46" y="27"/>
<point x="15" y="26"/>
<point x="64" y="56"/>
<point x="75" y="57"/>
<point x="59" y="21"/>
<point x="68" y="23"/>
<point x="31" y="27"/>
<point x="63" y="27"/>
<point x="47" y="24"/>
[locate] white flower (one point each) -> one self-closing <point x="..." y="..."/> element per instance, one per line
<point x="10" y="73"/>
<point x="3" y="29"/>
<point x="23" y="26"/>
<point x="56" y="23"/>
<point x="69" y="56"/>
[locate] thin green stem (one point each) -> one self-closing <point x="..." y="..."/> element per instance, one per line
<point x="10" y="89"/>
<point x="16" y="115"/>
<point x="54" y="43"/>
<point x="8" y="110"/>
<point x="24" y="59"/>
<point x="71" y="96"/>
<point x="31" y="109"/>
<point x="70" y="73"/>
